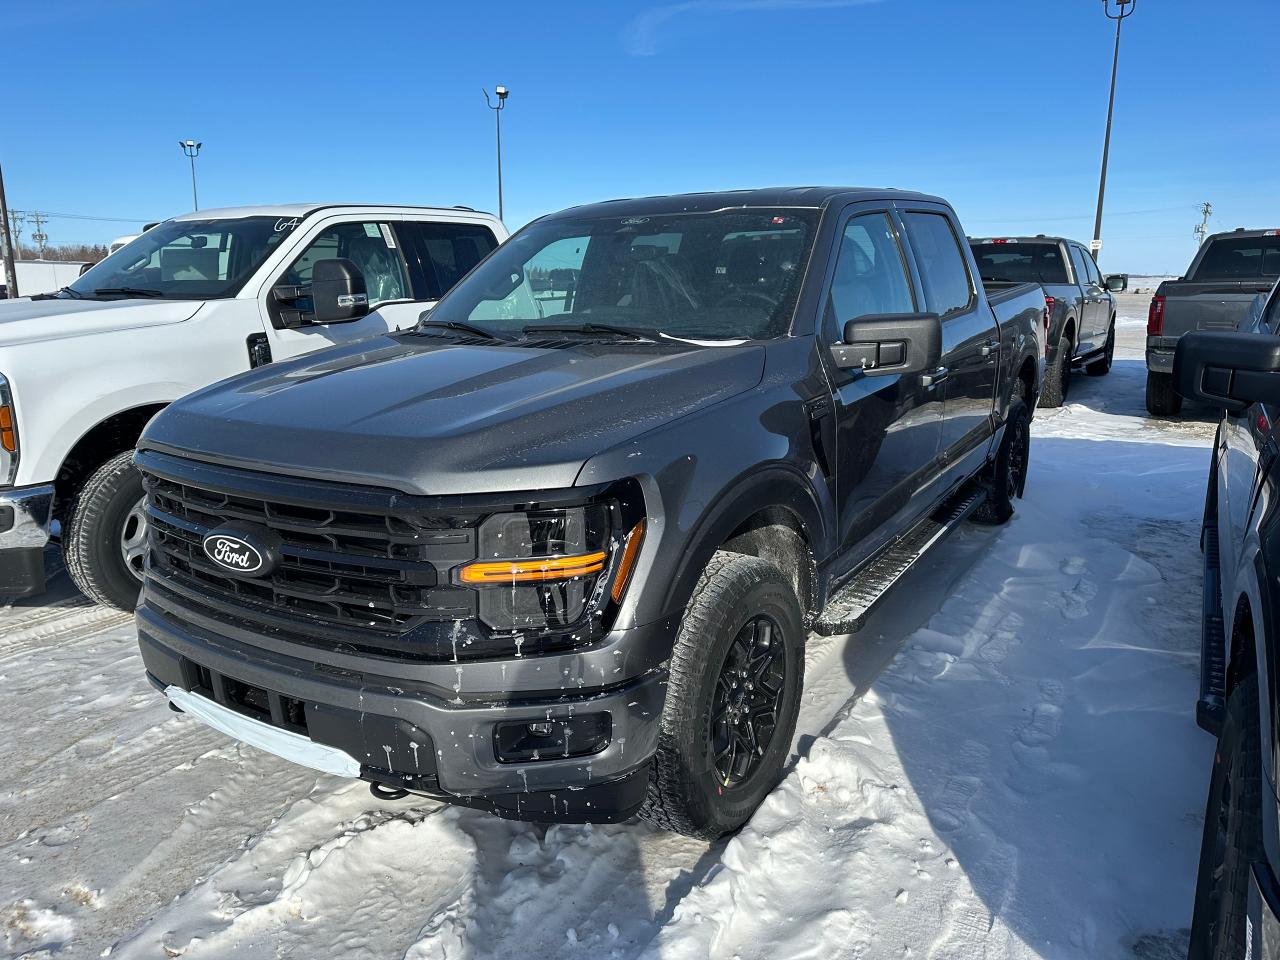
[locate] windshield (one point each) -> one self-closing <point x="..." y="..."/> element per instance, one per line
<point x="1020" y="262"/>
<point x="1240" y="258"/>
<point x="186" y="260"/>
<point x="726" y="275"/>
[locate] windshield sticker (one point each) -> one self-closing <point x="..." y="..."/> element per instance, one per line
<point x="282" y="224"/>
<point x="371" y="230"/>
<point x="634" y="221"/>
<point x="388" y="237"/>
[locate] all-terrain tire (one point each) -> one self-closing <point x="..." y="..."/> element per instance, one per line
<point x="1102" y="366"/>
<point x="1007" y="475"/>
<point x="1057" y="378"/>
<point x="103" y="512"/>
<point x="1162" y="399"/>
<point x="685" y="792"/>
<point x="1232" y="832"/>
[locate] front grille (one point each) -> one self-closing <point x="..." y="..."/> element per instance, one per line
<point x="361" y="569"/>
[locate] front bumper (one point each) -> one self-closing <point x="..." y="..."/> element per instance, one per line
<point x="402" y="730"/>
<point x="25" y="519"/>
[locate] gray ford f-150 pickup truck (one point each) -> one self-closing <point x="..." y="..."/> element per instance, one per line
<point x="1082" y="311"/>
<point x="554" y="551"/>
<point x="1227" y="275"/>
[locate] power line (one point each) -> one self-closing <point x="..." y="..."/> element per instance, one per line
<point x="85" y="216"/>
<point x="1121" y="213"/>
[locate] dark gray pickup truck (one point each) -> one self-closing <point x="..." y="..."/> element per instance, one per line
<point x="554" y="552"/>
<point x="1082" y="311"/>
<point x="1228" y="274"/>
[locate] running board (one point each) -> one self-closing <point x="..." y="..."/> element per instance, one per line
<point x="847" y="609"/>
<point x="1211" y="707"/>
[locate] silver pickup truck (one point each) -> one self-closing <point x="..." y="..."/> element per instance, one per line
<point x="1082" y="311"/>
<point x="1227" y="275"/>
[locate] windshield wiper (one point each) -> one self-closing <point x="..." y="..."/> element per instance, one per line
<point x="459" y="327"/>
<point x="594" y="329"/>
<point x="73" y="294"/>
<point x="128" y="292"/>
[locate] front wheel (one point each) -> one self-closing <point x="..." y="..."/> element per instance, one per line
<point x="733" y="694"/>
<point x="1008" y="472"/>
<point x="1102" y="366"/>
<point x="1232" y="833"/>
<point x="105" y="539"/>
<point x="1162" y="399"/>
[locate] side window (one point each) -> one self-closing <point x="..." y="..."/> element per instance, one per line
<point x="448" y="251"/>
<point x="370" y="246"/>
<point x="1094" y="276"/>
<point x="870" y="276"/>
<point x="943" y="271"/>
<point x="1077" y="261"/>
<point x="546" y="285"/>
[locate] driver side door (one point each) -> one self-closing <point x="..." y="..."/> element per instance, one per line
<point x="888" y="428"/>
<point x="374" y="247"/>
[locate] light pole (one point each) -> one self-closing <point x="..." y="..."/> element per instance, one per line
<point x="501" y="93"/>
<point x="192" y="149"/>
<point x="1122" y="9"/>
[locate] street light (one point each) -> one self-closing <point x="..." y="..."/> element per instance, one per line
<point x="192" y="149"/>
<point x="501" y="93"/>
<point x="1116" y="10"/>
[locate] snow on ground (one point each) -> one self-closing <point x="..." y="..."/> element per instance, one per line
<point x="1004" y="763"/>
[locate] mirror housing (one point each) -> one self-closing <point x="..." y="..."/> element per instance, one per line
<point x="881" y="344"/>
<point x="338" y="293"/>
<point x="1117" y="282"/>
<point x="1228" y="370"/>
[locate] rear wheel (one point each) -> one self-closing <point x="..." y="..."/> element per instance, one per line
<point x="732" y="698"/>
<point x="1102" y="366"/>
<point x="105" y="539"/>
<point x="1057" y="378"/>
<point x="1009" y="469"/>
<point x="1232" y="833"/>
<point x="1162" y="399"/>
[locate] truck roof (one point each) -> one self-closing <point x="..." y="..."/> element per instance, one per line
<point x="1242" y="232"/>
<point x="815" y="197"/>
<point x="306" y="209"/>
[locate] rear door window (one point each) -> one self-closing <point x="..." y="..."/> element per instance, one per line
<point x="446" y="252"/>
<point x="1077" y="261"/>
<point x="1020" y="261"/>
<point x="947" y="288"/>
<point x="1240" y="258"/>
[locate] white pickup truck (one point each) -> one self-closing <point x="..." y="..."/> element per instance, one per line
<point x="193" y="300"/>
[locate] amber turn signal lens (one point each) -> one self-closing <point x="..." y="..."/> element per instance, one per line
<point x="8" y="439"/>
<point x="629" y="554"/>
<point x="533" y="569"/>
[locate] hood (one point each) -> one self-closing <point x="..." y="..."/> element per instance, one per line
<point x="28" y="321"/>
<point x="419" y="417"/>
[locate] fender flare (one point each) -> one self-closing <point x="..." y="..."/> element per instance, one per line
<point x="775" y="485"/>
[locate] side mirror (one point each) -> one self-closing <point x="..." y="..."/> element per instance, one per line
<point x="1228" y="370"/>
<point x="86" y="267"/>
<point x="338" y="291"/>
<point x="881" y="344"/>
<point x="1117" y="282"/>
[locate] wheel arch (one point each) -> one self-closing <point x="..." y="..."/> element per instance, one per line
<point x="104" y="440"/>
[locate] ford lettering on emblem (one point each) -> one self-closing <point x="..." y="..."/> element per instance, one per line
<point x="233" y="553"/>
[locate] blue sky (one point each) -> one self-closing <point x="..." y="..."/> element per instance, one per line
<point x="998" y="106"/>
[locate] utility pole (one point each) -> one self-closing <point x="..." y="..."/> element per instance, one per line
<point x="502" y="93"/>
<point x="38" y="236"/>
<point x="16" y="219"/>
<point x="1119" y="16"/>
<point x="10" y="274"/>
<point x="1202" y="228"/>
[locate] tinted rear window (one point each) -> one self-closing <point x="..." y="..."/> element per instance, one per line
<point x="1020" y="262"/>
<point x="1240" y="258"/>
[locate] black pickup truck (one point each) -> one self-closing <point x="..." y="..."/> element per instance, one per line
<point x="554" y="551"/>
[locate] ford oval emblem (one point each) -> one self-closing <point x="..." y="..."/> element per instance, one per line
<point x="235" y="553"/>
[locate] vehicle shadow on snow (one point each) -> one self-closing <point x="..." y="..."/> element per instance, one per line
<point x="1043" y="713"/>
<point x="1123" y="392"/>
